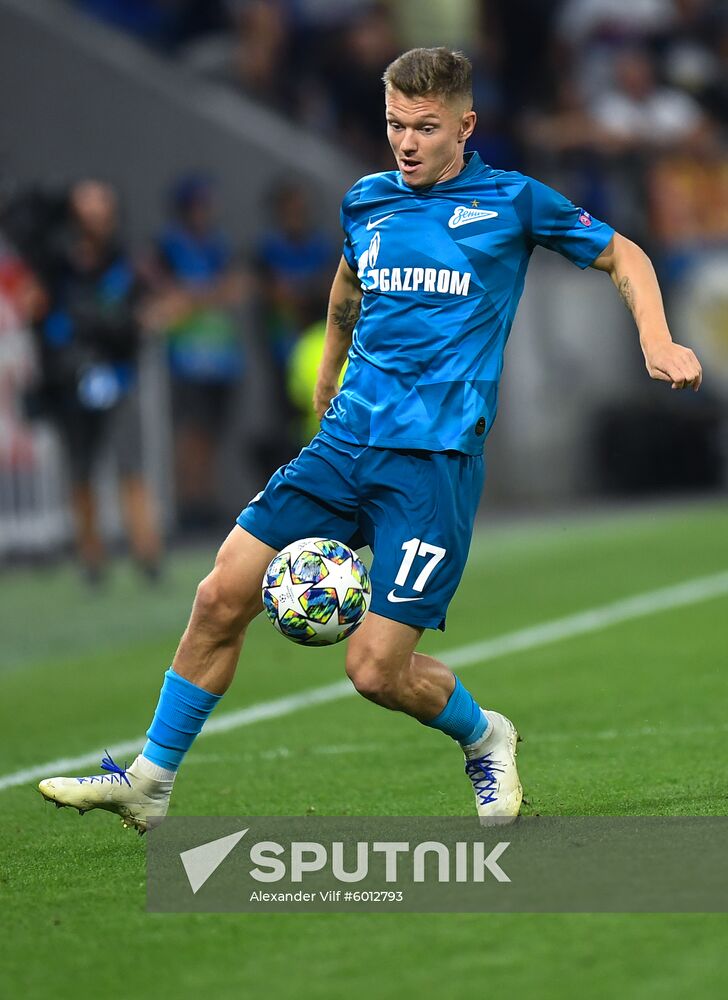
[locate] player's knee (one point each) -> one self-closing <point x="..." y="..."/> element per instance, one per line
<point x="371" y="673"/>
<point x="218" y="609"/>
<point x="368" y="679"/>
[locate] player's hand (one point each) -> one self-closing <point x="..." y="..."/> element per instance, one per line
<point x="323" y="394"/>
<point x="675" y="364"/>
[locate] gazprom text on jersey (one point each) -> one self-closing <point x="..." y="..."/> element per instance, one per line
<point x="415" y="279"/>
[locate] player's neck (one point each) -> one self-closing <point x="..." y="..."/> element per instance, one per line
<point x="453" y="170"/>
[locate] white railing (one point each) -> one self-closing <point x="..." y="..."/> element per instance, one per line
<point x="34" y="515"/>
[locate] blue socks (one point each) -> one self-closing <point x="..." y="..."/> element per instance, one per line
<point x="182" y="710"/>
<point x="462" y="717"/>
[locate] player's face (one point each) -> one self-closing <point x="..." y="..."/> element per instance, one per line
<point x="427" y="136"/>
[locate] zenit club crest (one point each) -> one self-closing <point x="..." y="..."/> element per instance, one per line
<point x="463" y="216"/>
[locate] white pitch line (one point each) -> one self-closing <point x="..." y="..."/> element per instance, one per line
<point x="582" y="623"/>
<point x="203" y="759"/>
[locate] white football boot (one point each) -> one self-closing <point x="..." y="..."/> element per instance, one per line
<point x="491" y="766"/>
<point x="125" y="791"/>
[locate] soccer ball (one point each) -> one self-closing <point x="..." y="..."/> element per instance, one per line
<point x="316" y="591"/>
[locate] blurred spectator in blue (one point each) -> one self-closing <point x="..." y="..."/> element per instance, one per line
<point x="86" y="310"/>
<point x="196" y="288"/>
<point x="294" y="261"/>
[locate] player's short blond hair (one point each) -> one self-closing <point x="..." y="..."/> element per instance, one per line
<point x="438" y="72"/>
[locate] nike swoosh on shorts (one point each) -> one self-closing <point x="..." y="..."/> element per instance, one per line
<point x="391" y="596"/>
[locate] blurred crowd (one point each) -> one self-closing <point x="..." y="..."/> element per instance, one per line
<point x="621" y="103"/>
<point x="624" y="102"/>
<point x="78" y="306"/>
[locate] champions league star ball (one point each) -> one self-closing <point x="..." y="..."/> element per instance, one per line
<point x="316" y="591"/>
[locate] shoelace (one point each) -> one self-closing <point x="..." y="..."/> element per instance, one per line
<point x="116" y="774"/>
<point x="482" y="772"/>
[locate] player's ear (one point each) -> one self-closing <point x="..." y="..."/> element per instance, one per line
<point x="467" y="125"/>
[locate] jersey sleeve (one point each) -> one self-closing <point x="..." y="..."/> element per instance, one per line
<point x="557" y="224"/>
<point x="346" y="223"/>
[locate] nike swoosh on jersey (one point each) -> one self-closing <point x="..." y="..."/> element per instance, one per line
<point x="391" y="596"/>
<point x="378" y="222"/>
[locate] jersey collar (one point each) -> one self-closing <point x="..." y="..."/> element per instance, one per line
<point x="473" y="165"/>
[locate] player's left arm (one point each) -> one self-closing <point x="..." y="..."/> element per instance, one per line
<point x="632" y="272"/>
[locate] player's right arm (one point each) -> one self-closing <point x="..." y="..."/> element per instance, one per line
<point x="343" y="313"/>
<point x="554" y="222"/>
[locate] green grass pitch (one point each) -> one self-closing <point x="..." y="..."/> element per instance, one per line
<point x="630" y="719"/>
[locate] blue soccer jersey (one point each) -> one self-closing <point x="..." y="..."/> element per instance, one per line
<point x="442" y="271"/>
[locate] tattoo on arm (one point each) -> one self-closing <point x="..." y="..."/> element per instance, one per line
<point x="625" y="291"/>
<point x="345" y="314"/>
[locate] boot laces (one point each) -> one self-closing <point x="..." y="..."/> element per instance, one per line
<point x="116" y="775"/>
<point x="483" y="772"/>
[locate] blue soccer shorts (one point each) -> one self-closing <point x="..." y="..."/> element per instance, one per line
<point x="414" y="509"/>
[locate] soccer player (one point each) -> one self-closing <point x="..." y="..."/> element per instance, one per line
<point x="434" y="261"/>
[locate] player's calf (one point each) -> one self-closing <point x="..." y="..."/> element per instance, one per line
<point x="383" y="667"/>
<point x="203" y="668"/>
<point x="386" y="670"/>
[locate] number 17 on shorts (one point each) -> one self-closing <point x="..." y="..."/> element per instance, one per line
<point x="414" y="582"/>
<point x="415" y="551"/>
